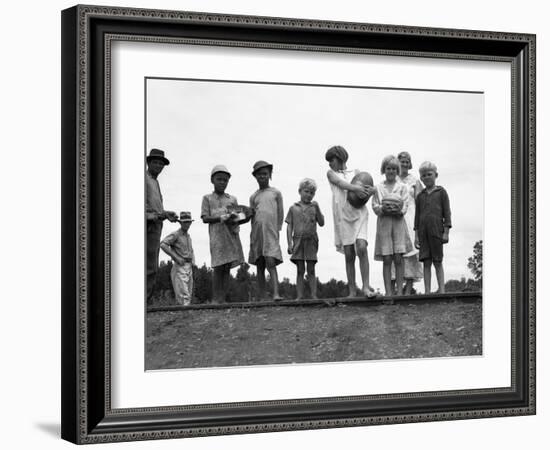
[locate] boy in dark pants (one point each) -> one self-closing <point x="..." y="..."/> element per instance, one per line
<point x="432" y="222"/>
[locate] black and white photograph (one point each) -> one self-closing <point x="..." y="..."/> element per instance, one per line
<point x="309" y="223"/>
<point x="280" y="220"/>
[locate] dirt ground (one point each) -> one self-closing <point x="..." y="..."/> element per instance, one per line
<point x="301" y="334"/>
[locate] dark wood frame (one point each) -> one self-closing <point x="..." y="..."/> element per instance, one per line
<point x="87" y="416"/>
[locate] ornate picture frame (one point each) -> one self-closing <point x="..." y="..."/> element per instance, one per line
<point x="88" y="33"/>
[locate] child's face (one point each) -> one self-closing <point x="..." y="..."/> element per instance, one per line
<point x="428" y="178"/>
<point x="220" y="181"/>
<point x="405" y="165"/>
<point x="335" y="164"/>
<point x="307" y="194"/>
<point x="391" y="172"/>
<point x="262" y="176"/>
<point x="185" y="226"/>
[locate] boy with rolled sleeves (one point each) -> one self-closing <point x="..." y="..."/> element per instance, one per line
<point x="179" y="247"/>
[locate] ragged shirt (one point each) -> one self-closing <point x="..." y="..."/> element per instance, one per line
<point x="433" y="212"/>
<point x="303" y="218"/>
<point x="225" y="244"/>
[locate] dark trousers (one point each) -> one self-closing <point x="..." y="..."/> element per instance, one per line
<point x="154" y="230"/>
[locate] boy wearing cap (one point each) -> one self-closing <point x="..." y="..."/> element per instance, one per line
<point x="179" y="247"/>
<point x="267" y="221"/>
<point x="155" y="214"/>
<point x="225" y="244"/>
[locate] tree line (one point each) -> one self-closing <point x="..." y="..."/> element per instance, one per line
<point x="243" y="286"/>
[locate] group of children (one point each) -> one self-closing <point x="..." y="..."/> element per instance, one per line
<point x="413" y="224"/>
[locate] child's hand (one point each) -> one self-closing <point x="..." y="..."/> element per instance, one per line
<point x="396" y="211"/>
<point x="179" y="261"/>
<point x="290" y="247"/>
<point x="362" y="191"/>
<point x="416" y="241"/>
<point x="224" y="218"/>
<point x="445" y="237"/>
<point x="316" y="206"/>
<point x="232" y="218"/>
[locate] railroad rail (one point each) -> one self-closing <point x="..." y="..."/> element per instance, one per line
<point x="466" y="297"/>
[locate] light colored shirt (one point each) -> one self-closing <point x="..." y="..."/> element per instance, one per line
<point x="350" y="223"/>
<point x="387" y="190"/>
<point x="181" y="244"/>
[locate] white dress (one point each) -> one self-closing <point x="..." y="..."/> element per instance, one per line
<point x="413" y="268"/>
<point x="350" y="223"/>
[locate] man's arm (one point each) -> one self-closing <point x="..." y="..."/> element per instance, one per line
<point x="166" y="246"/>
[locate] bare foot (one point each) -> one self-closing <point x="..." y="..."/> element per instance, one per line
<point x="369" y="293"/>
<point x="277" y="298"/>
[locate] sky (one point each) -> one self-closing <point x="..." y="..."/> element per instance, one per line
<point x="200" y="123"/>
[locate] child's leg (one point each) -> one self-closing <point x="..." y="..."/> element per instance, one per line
<point x="440" y="275"/>
<point x="408" y="286"/>
<point x="312" y="278"/>
<point x="217" y="284"/>
<point x="349" y="252"/>
<point x="362" y="254"/>
<point x="225" y="281"/>
<point x="399" y="272"/>
<point x="427" y="275"/>
<point x="300" y="271"/>
<point x="260" y="269"/>
<point x="272" y="269"/>
<point x="393" y="285"/>
<point x="386" y="272"/>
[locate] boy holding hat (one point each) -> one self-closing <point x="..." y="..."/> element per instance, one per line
<point x="155" y="214"/>
<point x="179" y="247"/>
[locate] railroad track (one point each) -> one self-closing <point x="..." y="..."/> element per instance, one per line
<point x="466" y="297"/>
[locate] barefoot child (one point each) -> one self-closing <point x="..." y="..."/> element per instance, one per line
<point x="179" y="247"/>
<point x="225" y="245"/>
<point x="301" y="233"/>
<point x="431" y="223"/>
<point x="350" y="223"/>
<point x="392" y="238"/>
<point x="265" y="251"/>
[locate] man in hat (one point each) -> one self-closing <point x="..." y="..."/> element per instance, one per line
<point x="179" y="247"/>
<point x="155" y="214"/>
